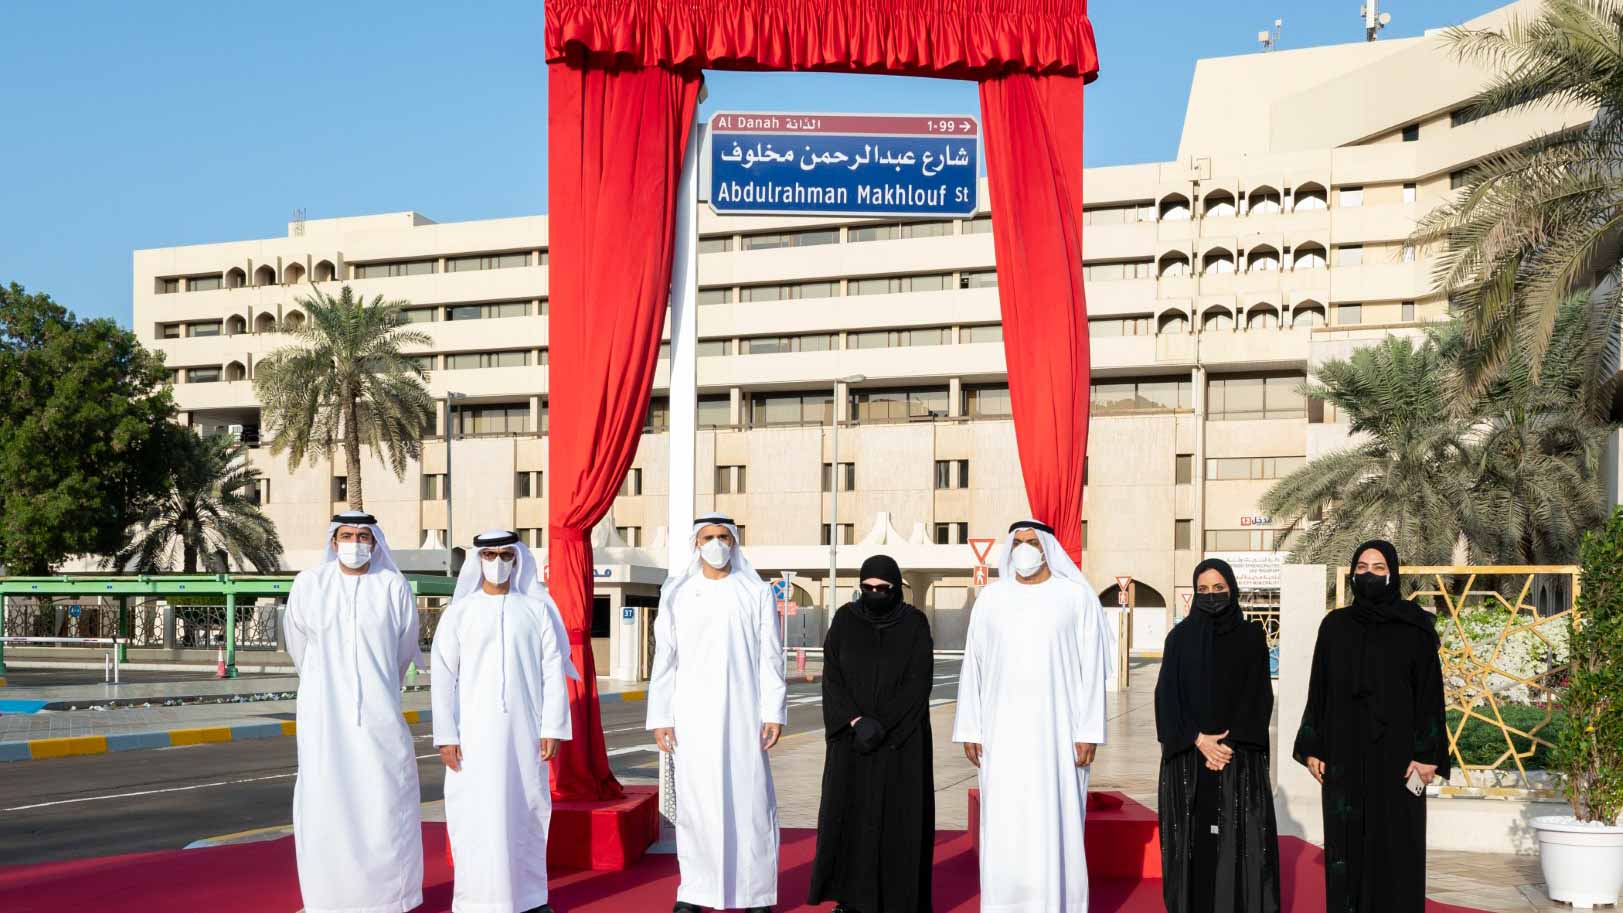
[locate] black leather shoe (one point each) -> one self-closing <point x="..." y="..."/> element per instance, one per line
<point x="759" y="910"/>
<point x="683" y="906"/>
<point x="544" y="908"/>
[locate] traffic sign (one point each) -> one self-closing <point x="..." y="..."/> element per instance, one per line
<point x="628" y="614"/>
<point x="783" y="590"/>
<point x="1123" y="583"/>
<point x="983" y="548"/>
<point x="1187" y="598"/>
<point x="844" y="164"/>
<point x="980" y="575"/>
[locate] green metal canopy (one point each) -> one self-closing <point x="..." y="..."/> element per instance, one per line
<point x="230" y="586"/>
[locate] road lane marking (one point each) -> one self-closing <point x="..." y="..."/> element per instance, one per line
<point x="634" y="749"/>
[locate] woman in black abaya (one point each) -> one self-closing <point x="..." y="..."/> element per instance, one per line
<point x="1213" y="700"/>
<point x="876" y="826"/>
<point x="1374" y="716"/>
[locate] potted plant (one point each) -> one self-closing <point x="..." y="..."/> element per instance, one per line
<point x="1582" y="853"/>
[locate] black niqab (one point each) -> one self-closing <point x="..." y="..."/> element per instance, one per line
<point x="879" y="609"/>
<point x="1186" y="705"/>
<point x="1369" y="610"/>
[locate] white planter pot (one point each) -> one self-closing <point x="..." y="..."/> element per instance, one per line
<point x="1583" y="863"/>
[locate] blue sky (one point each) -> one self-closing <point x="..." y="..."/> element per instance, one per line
<point x="131" y="125"/>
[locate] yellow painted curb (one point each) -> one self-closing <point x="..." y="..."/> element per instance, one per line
<point x="199" y="736"/>
<point x="39" y="749"/>
<point x="633" y="695"/>
<point x="289" y="727"/>
<point x="412" y="716"/>
<point x="2" y="682"/>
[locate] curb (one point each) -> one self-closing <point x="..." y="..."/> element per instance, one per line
<point x="74" y="746"/>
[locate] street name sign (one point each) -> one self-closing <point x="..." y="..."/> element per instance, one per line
<point x="879" y="165"/>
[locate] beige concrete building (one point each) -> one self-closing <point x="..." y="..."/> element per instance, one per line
<point x="1215" y="283"/>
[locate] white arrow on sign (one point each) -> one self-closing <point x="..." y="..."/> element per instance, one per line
<point x="965" y="125"/>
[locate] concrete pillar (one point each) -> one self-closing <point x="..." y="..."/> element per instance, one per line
<point x="735" y="407"/>
<point x="1302" y="604"/>
<point x="535" y="414"/>
<point x="955" y="392"/>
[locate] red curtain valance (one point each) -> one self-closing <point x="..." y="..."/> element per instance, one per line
<point x="965" y="39"/>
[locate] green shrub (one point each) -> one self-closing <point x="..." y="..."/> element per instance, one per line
<point x="1483" y="743"/>
<point x="1590" y="751"/>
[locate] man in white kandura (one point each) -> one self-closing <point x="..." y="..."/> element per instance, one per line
<point x="501" y="706"/>
<point x="716" y="704"/>
<point x="1031" y="712"/>
<point x="351" y="627"/>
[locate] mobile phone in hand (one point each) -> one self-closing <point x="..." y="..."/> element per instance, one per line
<point x="1415" y="784"/>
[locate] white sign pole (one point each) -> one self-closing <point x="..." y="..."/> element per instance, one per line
<point x="684" y="421"/>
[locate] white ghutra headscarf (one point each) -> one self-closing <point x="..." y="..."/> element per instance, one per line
<point x="738" y="564"/>
<point x="1059" y="564"/>
<point x="526" y="579"/>
<point x="380" y="546"/>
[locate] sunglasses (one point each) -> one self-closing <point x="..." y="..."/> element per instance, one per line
<point x="870" y="588"/>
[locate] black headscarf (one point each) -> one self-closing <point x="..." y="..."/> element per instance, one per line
<point x="1186" y="707"/>
<point x="879" y="610"/>
<point x="1386" y="607"/>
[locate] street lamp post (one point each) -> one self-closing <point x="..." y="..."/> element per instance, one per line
<point x="450" y="432"/>
<point x="834" y="491"/>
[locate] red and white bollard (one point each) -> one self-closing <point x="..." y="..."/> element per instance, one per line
<point x="219" y="663"/>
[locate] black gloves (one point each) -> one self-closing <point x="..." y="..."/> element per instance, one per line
<point x="867" y="734"/>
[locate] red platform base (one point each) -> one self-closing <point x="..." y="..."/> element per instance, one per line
<point x="600" y="836"/>
<point x="1122" y="838"/>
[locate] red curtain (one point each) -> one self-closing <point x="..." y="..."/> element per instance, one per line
<point x="1033" y="130"/>
<point x="616" y="139"/>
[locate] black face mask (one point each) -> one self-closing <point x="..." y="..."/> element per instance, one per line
<point x="879" y="603"/>
<point x="1371" y="587"/>
<point x="1211" y="603"/>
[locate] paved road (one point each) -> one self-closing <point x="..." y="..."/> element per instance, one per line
<point x="137" y="801"/>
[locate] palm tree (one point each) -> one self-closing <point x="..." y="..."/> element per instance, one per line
<point x="348" y="381"/>
<point x="1534" y="225"/>
<point x="207" y="511"/>
<point x="1402" y="476"/>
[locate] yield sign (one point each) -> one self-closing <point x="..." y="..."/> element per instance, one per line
<point x="1123" y="583"/>
<point x="982" y="548"/>
<point x="1186" y="598"/>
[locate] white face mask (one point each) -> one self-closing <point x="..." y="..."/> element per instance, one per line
<point x="716" y="553"/>
<point x="354" y="554"/>
<point x="496" y="570"/>
<point x="1026" y="559"/>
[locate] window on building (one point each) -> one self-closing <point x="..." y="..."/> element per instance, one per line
<point x="774" y="345"/>
<point x="980" y="278"/>
<point x="259" y="491"/>
<point x="730" y="480"/>
<point x="340" y="488"/>
<point x="659" y="415"/>
<point x="1349" y="314"/>
<point x="900" y="405"/>
<point x="1183" y="469"/>
<point x="847" y="534"/>
<point x="528" y="484"/>
<point x="898" y="231"/>
<point x="1127" y="396"/>
<point x="493" y="419"/>
<point x="717" y="244"/>
<point x="465" y="361"/>
<point x="168" y="286"/>
<point x="985" y="332"/>
<point x="768" y="409"/>
<point x="1113" y="270"/>
<point x="1408" y="311"/>
<point x="1242" y="540"/>
<point x="395" y="268"/>
<point x="887" y="285"/>
<point x="202" y="375"/>
<point x="1459" y="117"/>
<point x="203" y="328"/>
<point x="781" y="239"/>
<point x="1458" y="179"/>
<point x="1350" y="255"/>
<point x="715" y="411"/>
<point x="1252" y="469"/>
<point x="420" y="315"/>
<point x="1122" y="326"/>
<point x="487" y="261"/>
<point x="990" y="401"/>
<point x="168" y="331"/>
<point x="951" y="474"/>
<point x="204" y="283"/>
<point x="711" y="348"/>
<point x="1250" y="397"/>
<point x="951" y="533"/>
<point x="1119" y="214"/>
<point x="1350" y="197"/>
<point x="533" y="536"/>
<point x="848" y="476"/>
<point x="979" y="225"/>
<point x="487" y="311"/>
<point x="715" y="296"/>
<point x="1411" y="133"/>
<point x="424" y="363"/>
<point x="793" y="291"/>
<point x="1410" y="193"/>
<point x="1183" y="534"/>
<point x="630" y="535"/>
<point x="632" y="486"/>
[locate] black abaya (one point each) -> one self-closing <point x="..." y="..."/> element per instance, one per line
<point x="876" y="824"/>
<point x="1219" y="842"/>
<point x="1374" y="704"/>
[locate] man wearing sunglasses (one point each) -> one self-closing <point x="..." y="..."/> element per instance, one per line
<point x="501" y="706"/>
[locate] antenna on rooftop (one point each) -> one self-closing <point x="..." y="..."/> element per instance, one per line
<point x="1270" y="40"/>
<point x="1374" y="20"/>
<point x="298" y="222"/>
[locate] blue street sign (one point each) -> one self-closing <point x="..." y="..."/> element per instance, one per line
<point x="627" y="613"/>
<point x="73" y="611"/>
<point x="844" y="165"/>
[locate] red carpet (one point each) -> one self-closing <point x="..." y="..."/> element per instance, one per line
<point x="260" y="878"/>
